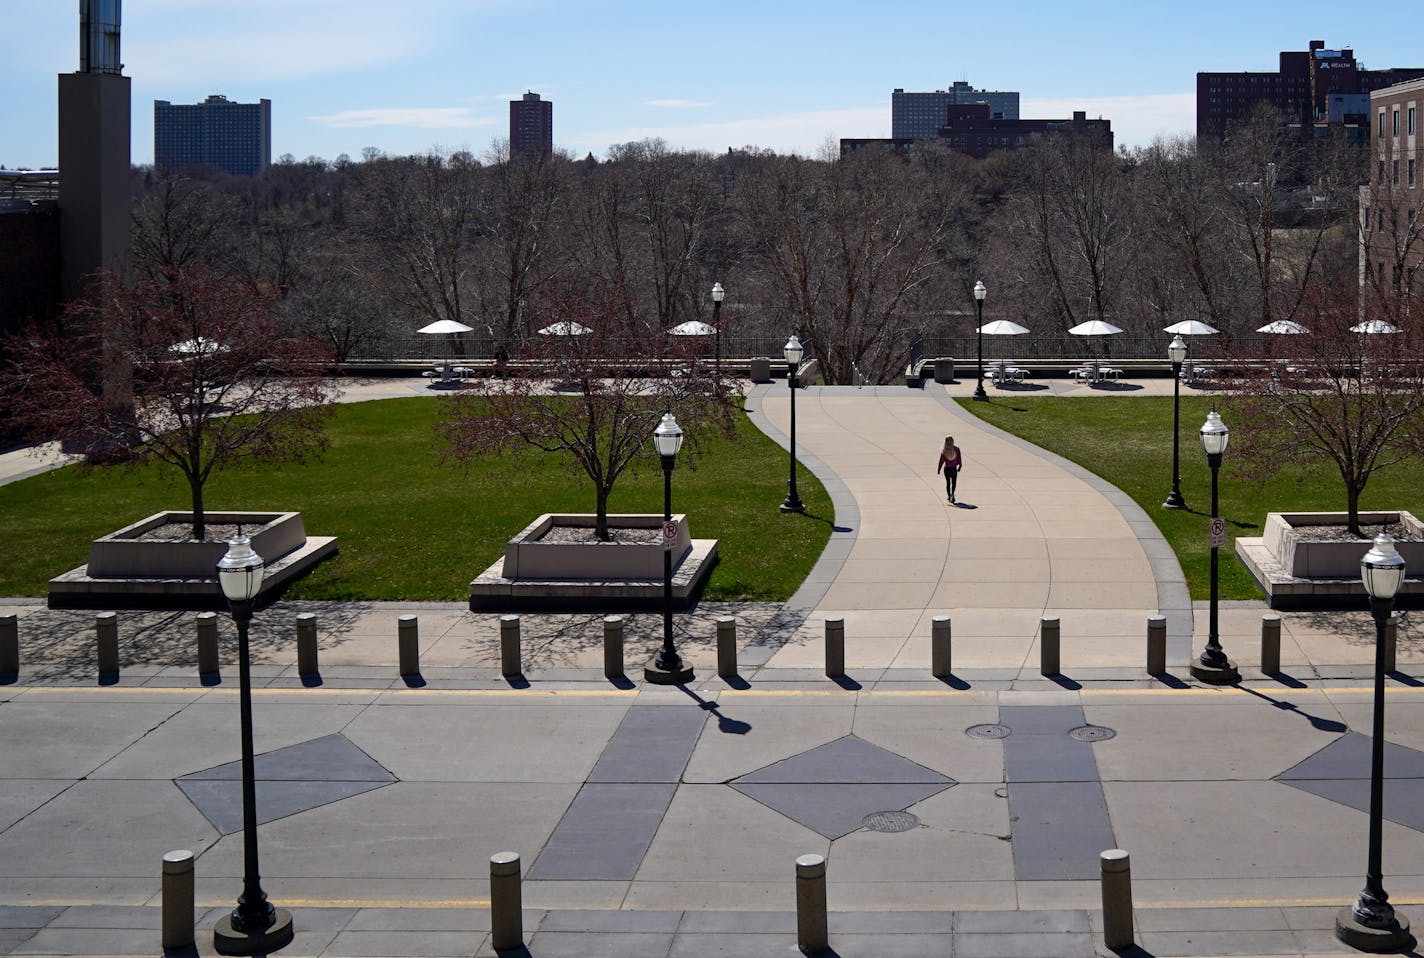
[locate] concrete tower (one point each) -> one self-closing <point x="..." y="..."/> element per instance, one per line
<point x="94" y="151"/>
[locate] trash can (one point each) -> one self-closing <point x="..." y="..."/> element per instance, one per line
<point x="761" y="370"/>
<point x="944" y="369"/>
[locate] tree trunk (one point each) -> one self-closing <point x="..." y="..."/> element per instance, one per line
<point x="600" y="527"/>
<point x="200" y="527"/>
<point x="1352" y="498"/>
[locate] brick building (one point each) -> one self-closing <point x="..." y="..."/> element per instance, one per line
<point x="971" y="130"/>
<point x="920" y="115"/>
<point x="531" y="126"/>
<point x="1392" y="205"/>
<point x="233" y="137"/>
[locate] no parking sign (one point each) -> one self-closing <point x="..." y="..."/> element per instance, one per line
<point x="1218" y="532"/>
<point x="669" y="533"/>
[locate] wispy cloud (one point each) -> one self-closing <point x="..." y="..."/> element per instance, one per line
<point x="803" y="133"/>
<point x="1136" y="120"/>
<point x="423" y="117"/>
<point x="679" y="104"/>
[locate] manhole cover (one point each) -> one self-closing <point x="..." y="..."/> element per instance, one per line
<point x="987" y="731"/>
<point x="1092" y="733"/>
<point x="890" y="821"/>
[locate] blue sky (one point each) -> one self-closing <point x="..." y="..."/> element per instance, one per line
<point x="411" y="75"/>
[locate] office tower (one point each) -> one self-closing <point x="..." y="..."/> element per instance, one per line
<point x="971" y="130"/>
<point x="1300" y="91"/>
<point x="233" y="137"/>
<point x="94" y="151"/>
<point x="920" y="115"/>
<point x="531" y="126"/>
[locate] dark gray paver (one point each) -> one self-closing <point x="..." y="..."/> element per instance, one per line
<point x="652" y="744"/>
<point x="1349" y="757"/>
<point x="331" y="758"/>
<point x="835" y="809"/>
<point x="605" y="832"/>
<point x="849" y="759"/>
<point x="1048" y="758"/>
<point x="1403" y="798"/>
<point x="221" y="802"/>
<point x="1059" y="829"/>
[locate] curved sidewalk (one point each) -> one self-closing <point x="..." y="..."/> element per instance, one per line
<point x="1032" y="535"/>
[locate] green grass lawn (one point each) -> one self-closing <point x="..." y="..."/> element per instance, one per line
<point x="412" y="527"/>
<point x="1128" y="441"/>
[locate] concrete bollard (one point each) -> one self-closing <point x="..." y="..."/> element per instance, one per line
<point x="106" y="634"/>
<point x="1156" y="645"/>
<point x="812" y="933"/>
<point x="408" y="644"/>
<point x="509" y="651"/>
<point x="1391" y="633"/>
<point x="1117" y="898"/>
<point x="835" y="648"/>
<point x="1270" y="644"/>
<point x="726" y="647"/>
<point x="9" y="644"/>
<point x="613" y="627"/>
<point x="207" y="643"/>
<point x="178" y="899"/>
<point x="1048" y="645"/>
<point x="306" y="645"/>
<point x="506" y="902"/>
<point x="941" y="665"/>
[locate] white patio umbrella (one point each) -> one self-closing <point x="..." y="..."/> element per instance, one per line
<point x="445" y="327"/>
<point x="1283" y="327"/>
<point x="1374" y="326"/>
<point x="1190" y="327"/>
<point x="1095" y="327"/>
<point x="1002" y="327"/>
<point x="566" y="328"/>
<point x="693" y="327"/>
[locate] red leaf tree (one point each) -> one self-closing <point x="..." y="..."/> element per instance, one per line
<point x="592" y="390"/>
<point x="186" y="368"/>
<point x="1347" y="391"/>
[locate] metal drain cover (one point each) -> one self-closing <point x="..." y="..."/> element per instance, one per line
<point x="987" y="731"/>
<point x="890" y="821"/>
<point x="1092" y="733"/>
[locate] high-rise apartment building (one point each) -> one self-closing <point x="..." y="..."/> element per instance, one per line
<point x="531" y="126"/>
<point x="233" y="137"/>
<point x="1299" y="91"/>
<point x="918" y="116"/>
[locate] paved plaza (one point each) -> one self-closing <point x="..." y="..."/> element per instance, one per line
<point x="958" y="817"/>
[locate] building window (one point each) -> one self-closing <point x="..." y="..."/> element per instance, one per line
<point x="1394" y="122"/>
<point x="1394" y="172"/>
<point x="1411" y="121"/>
<point x="1381" y="124"/>
<point x="1411" y="174"/>
<point x="1366" y="212"/>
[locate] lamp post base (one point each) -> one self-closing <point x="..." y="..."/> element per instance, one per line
<point x="1174" y="501"/>
<point x="653" y="674"/>
<point x="1216" y="675"/>
<point x="792" y="505"/>
<point x="1394" y="936"/>
<point x="257" y="941"/>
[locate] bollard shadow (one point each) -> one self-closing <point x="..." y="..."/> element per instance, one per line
<point x="954" y="682"/>
<point x="108" y="678"/>
<point x="517" y="680"/>
<point x="210" y="678"/>
<point x="1322" y="724"/>
<point x="521" y="951"/>
<point x="311" y="680"/>
<point x="187" y="951"/>
<point x="847" y="683"/>
<point x="1286" y="679"/>
<point x="622" y="682"/>
<point x="1063" y="681"/>
<point x="1168" y="679"/>
<point x="1133" y="951"/>
<point x="1403" y="678"/>
<point x="728" y="726"/>
<point x="414" y="681"/>
<point x="736" y="682"/>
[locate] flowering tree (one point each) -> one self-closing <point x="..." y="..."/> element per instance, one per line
<point x="185" y="368"/>
<point x="1348" y="391"/>
<point x="592" y="389"/>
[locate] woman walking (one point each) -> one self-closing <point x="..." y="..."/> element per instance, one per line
<point x="950" y="461"/>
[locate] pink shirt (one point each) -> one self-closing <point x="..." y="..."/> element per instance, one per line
<point x="945" y="460"/>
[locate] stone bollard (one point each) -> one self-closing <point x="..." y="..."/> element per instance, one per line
<point x="207" y="643"/>
<point x="306" y="645"/>
<point x="9" y="644"/>
<point x="613" y="647"/>
<point x="1391" y="633"/>
<point x="509" y="652"/>
<point x="835" y="648"/>
<point x="1156" y="645"/>
<point x="941" y="666"/>
<point x="1270" y="644"/>
<point x="726" y="647"/>
<point x="178" y="899"/>
<point x="506" y="902"/>
<point x="1048" y="645"/>
<point x="408" y="645"/>
<point x="1117" y="898"/>
<point x="812" y="934"/>
<point x="106" y="633"/>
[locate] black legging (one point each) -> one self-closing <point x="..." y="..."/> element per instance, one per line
<point x="951" y="476"/>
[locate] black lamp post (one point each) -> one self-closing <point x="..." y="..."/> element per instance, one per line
<point x="254" y="925"/>
<point x="1371" y="924"/>
<point x="718" y="294"/>
<point x="1214" y="667"/>
<point x="793" y="352"/>
<point x="1177" y="352"/>
<point x="667" y="668"/>
<point x="980" y="291"/>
